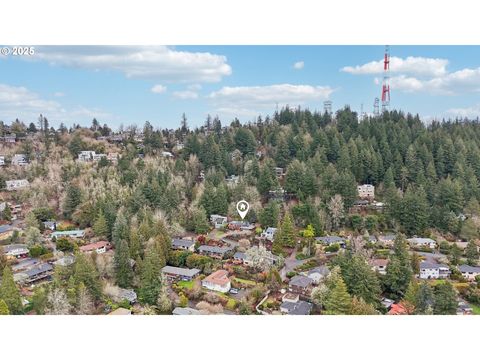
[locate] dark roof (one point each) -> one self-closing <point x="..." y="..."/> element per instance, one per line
<point x="180" y="271"/>
<point x="182" y="243"/>
<point x="39" y="269"/>
<point x="322" y="270"/>
<point x="215" y="249"/>
<point x="298" y="308"/>
<point x="468" y="268"/>
<point x="239" y="255"/>
<point x="5" y="228"/>
<point x="300" y="281"/>
<point x="430" y="265"/>
<point x="330" y="239"/>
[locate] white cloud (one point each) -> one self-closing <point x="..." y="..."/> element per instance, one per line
<point x="184" y="95"/>
<point x="299" y="65"/>
<point x="19" y="102"/>
<point x="159" y="89"/>
<point x="194" y="87"/>
<point x="469" y="112"/>
<point x="258" y="99"/>
<point x="411" y="65"/>
<point x="59" y="94"/>
<point x="151" y="62"/>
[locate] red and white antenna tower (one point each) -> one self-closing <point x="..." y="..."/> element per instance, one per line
<point x="386" y="82"/>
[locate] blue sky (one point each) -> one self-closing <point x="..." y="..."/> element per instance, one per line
<point x="133" y="84"/>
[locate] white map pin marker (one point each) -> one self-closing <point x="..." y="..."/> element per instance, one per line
<point x="242" y="208"/>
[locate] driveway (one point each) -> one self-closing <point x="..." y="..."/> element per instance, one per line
<point x="291" y="263"/>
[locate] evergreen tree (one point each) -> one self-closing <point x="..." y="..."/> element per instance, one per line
<point x="471" y="252"/>
<point x="10" y="293"/>
<point x="268" y="215"/>
<point x="86" y="272"/>
<point x="4" y="308"/>
<point x="424" y="299"/>
<point x="338" y="301"/>
<point x="445" y="299"/>
<point x="285" y="235"/>
<point x="123" y="269"/>
<point x="100" y="227"/>
<point x="72" y="200"/>
<point x="150" y="282"/>
<point x="399" y="269"/>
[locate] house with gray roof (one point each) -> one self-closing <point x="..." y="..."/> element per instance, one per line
<point x="329" y="240"/>
<point x="430" y="270"/>
<point x="35" y="273"/>
<point x="183" y="244"/>
<point x="239" y="256"/>
<point x="296" y="308"/>
<point x="317" y="274"/>
<point x="175" y="273"/>
<point x="469" y="272"/>
<point x="419" y="242"/>
<point x="300" y="284"/>
<point x="185" y="311"/>
<point x="15" y="250"/>
<point x="219" y="252"/>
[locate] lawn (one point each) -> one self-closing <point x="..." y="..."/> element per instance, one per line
<point x="245" y="281"/>
<point x="185" y="284"/>
<point x="476" y="309"/>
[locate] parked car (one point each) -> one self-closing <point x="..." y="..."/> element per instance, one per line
<point x="233" y="291"/>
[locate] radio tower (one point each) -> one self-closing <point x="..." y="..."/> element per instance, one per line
<point x="386" y="85"/>
<point x="327" y="107"/>
<point x="376" y="110"/>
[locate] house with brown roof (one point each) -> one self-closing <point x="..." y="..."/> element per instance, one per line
<point x="379" y="265"/>
<point x="99" y="246"/>
<point x="217" y="281"/>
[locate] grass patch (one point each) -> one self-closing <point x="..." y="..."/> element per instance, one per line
<point x="245" y="281"/>
<point x="475" y="309"/>
<point x="185" y="284"/>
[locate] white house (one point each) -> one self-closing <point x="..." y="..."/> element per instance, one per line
<point x="86" y="156"/>
<point x="217" y="281"/>
<point x="417" y="242"/>
<point x="2" y="160"/>
<point x="183" y="244"/>
<point x="269" y="233"/>
<point x="167" y="154"/>
<point x="366" y="191"/>
<point x="430" y="270"/>
<point x="98" y="157"/>
<point x="19" y="160"/>
<point x="318" y="273"/>
<point x="99" y="247"/>
<point x="469" y="272"/>
<point x="13" y="185"/>
<point x="218" y="221"/>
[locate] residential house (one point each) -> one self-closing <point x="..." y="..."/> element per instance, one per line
<point x="419" y="242"/>
<point x="24" y="264"/>
<point x="183" y="244"/>
<point x="296" y="308"/>
<point x="19" y="160"/>
<point x="10" y="138"/>
<point x="469" y="272"/>
<point x="232" y="179"/>
<point x="379" y="265"/>
<point x="185" y="311"/>
<point x="279" y="172"/>
<point x="2" y="160"/>
<point x="429" y="270"/>
<point x="239" y="257"/>
<point x="387" y="240"/>
<point x="121" y="311"/>
<point x="464" y="309"/>
<point x="113" y="157"/>
<point x="86" y="156"/>
<point x="397" y="309"/>
<point x="13" y="185"/>
<point x="98" y="157"/>
<point x="6" y="231"/>
<point x="330" y="240"/>
<point x="15" y="251"/>
<point x="126" y="294"/>
<point x="76" y="234"/>
<point x="167" y="154"/>
<point x="366" y="191"/>
<point x="317" y="274"/>
<point x="215" y="251"/>
<point x="51" y="225"/>
<point x="65" y="261"/>
<point x="217" y="281"/>
<point x="240" y="225"/>
<point x="387" y="303"/>
<point x="264" y="257"/>
<point x="177" y="273"/>
<point x="218" y="221"/>
<point x="269" y="233"/>
<point x="99" y="247"/>
<point x="36" y="273"/>
<point x="300" y="284"/>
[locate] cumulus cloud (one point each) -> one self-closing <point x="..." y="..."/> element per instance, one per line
<point x="256" y="99"/>
<point x="410" y="65"/>
<point x="159" y="89"/>
<point x="471" y="112"/>
<point x="184" y="95"/>
<point x="26" y="105"/>
<point x="299" y="65"/>
<point x="150" y="62"/>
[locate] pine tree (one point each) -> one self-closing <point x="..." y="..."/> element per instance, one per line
<point x="445" y="299"/>
<point x="150" y="282"/>
<point x="9" y="292"/>
<point x="285" y="236"/>
<point x="338" y="300"/>
<point x="399" y="269"/>
<point x="72" y="200"/>
<point x="86" y="272"/>
<point x="120" y="228"/>
<point x="424" y="299"/>
<point x="4" y="308"/>
<point x="471" y="252"/>
<point x="360" y="307"/>
<point x="100" y="227"/>
<point x="123" y="270"/>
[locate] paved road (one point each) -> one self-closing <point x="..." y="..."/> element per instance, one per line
<point x="430" y="256"/>
<point x="291" y="263"/>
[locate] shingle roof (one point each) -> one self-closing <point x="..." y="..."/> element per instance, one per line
<point x="182" y="243"/>
<point x="240" y="255"/>
<point x="430" y="265"/>
<point x="322" y="270"/>
<point x="468" y="268"/>
<point x="300" y="281"/>
<point x="5" y="228"/>
<point x="185" y="311"/>
<point x="215" y="249"/>
<point x="298" y="308"/>
<point x="330" y="239"/>
<point x="180" y="271"/>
